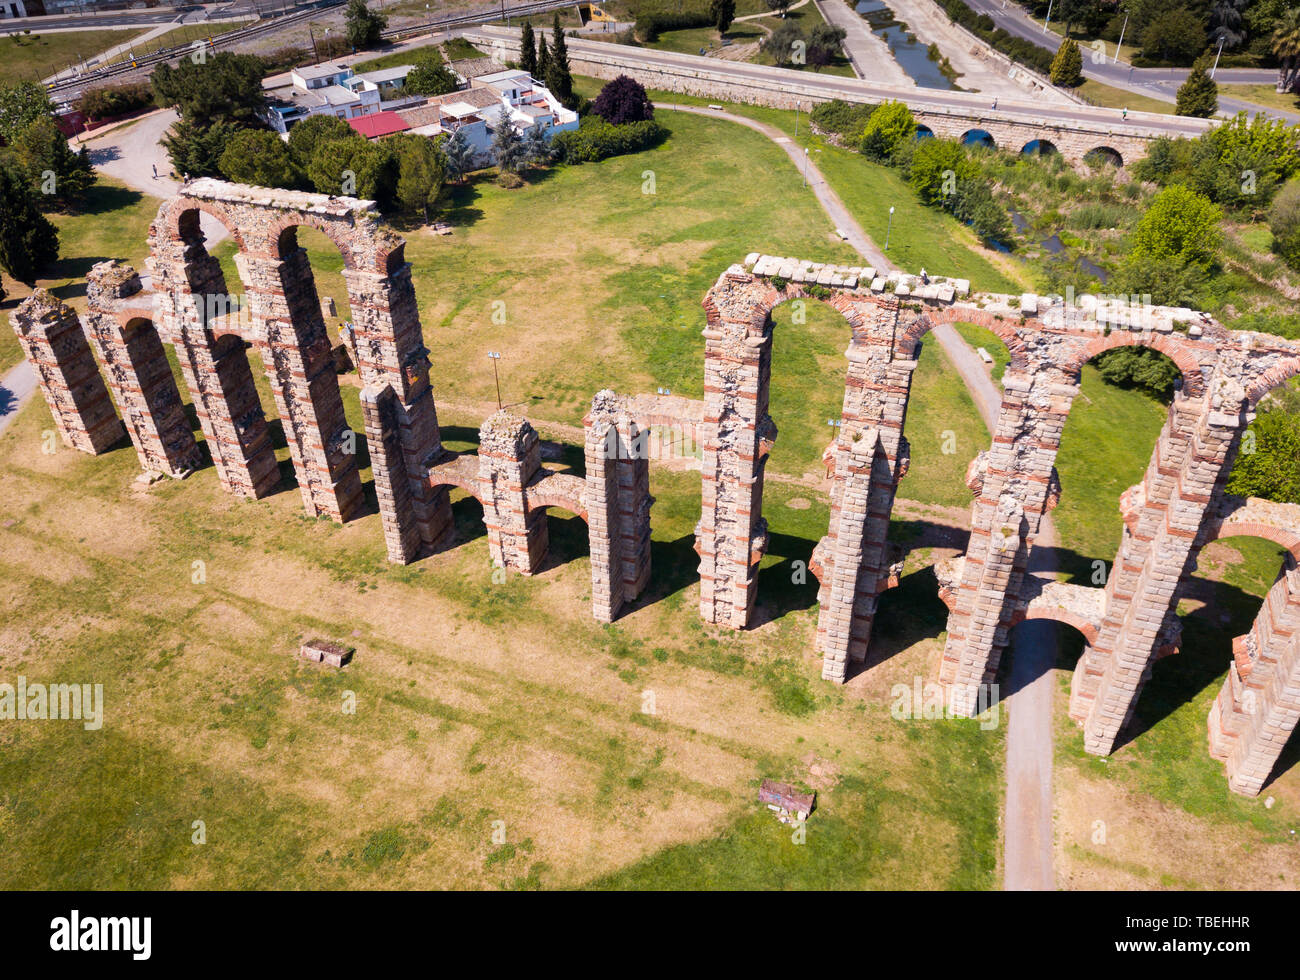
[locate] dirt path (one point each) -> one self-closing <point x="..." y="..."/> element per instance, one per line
<point x="16" y="387"/>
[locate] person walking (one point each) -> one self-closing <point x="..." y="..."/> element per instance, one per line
<point x="995" y="104"/>
<point x="155" y="171"/>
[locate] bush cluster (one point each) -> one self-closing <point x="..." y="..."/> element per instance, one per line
<point x="595" y="139"/>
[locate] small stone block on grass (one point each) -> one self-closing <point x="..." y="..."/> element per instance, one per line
<point x="323" y="651"/>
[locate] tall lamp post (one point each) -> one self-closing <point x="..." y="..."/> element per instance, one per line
<point x="496" y="356"/>
<point x="796" y="122"/>
<point x="1216" y="58"/>
<point x="805" y="166"/>
<point x="889" y="229"/>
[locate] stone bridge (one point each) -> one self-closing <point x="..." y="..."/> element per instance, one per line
<point x="1075" y="130"/>
<point x="1130" y="622"/>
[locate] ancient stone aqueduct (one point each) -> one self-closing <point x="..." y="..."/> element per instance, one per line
<point x="1177" y="509"/>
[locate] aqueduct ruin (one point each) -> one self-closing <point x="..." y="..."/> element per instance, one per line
<point x="1178" y="508"/>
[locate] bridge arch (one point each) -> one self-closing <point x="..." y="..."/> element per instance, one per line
<point x="1167" y="344"/>
<point x="1040" y="148"/>
<point x="1100" y="156"/>
<point x="977" y="136"/>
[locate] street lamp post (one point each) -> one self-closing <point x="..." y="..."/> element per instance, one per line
<point x="1049" y="15"/>
<point x="889" y="229"/>
<point x="1216" y="58"/>
<point x="495" y="355"/>
<point x="805" y="166"/>
<point x="796" y="122"/>
<point x="1121" y="40"/>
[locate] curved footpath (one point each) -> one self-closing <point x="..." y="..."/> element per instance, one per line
<point x="1027" y="827"/>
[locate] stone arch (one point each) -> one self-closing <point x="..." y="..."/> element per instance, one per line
<point x="179" y="219"/>
<point x="1040" y="147"/>
<point x="1058" y="614"/>
<point x="1100" y="155"/>
<point x="1182" y="355"/>
<point x="1274" y="377"/>
<point x="924" y="132"/>
<point x="978" y="136"/>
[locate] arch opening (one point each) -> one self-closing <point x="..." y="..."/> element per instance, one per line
<point x="979" y="137"/>
<point x="1103" y="156"/>
<point x="1040" y="148"/>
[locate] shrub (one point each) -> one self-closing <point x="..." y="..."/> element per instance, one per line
<point x="650" y="25"/>
<point x="842" y="118"/>
<point x="1284" y="221"/>
<point x="595" y="139"/>
<point x="115" y="100"/>
<point x="261" y="158"/>
<point x="890" y="126"/>
<point x="623" y="100"/>
<point x="1179" y="225"/>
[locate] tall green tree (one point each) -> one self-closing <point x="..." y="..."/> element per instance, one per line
<point x="314" y="130"/>
<point x="507" y="149"/>
<point x="1176" y="35"/>
<point x="890" y="126"/>
<point x="1067" y="66"/>
<point x="1179" y="225"/>
<point x="421" y="171"/>
<point x="224" y="88"/>
<point x="543" y="59"/>
<point x="362" y="26"/>
<point x="458" y="156"/>
<point x="722" y="12"/>
<point x="430" y="77"/>
<point x="20" y="104"/>
<point x="61" y="175"/>
<point x="355" y="167"/>
<point x="194" y="150"/>
<point x="558" y="78"/>
<point x="29" y="243"/>
<point x="1199" y="94"/>
<point x="1285" y="44"/>
<point x="528" y="50"/>
<point x="261" y="158"/>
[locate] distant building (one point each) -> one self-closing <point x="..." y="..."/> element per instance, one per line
<point x="9" y="9"/>
<point x="331" y="89"/>
<point x="379" y="124"/>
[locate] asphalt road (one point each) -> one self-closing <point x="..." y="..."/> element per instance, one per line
<point x="1157" y="83"/>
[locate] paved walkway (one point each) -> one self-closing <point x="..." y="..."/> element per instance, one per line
<point x="15" y="388"/>
<point x="1027" y="825"/>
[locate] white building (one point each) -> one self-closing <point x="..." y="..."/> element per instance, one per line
<point x="331" y="89"/>
<point x="9" y="9"/>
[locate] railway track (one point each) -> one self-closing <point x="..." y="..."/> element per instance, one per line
<point x="64" y="90"/>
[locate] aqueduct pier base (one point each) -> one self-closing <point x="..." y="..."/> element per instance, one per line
<point x="1178" y="507"/>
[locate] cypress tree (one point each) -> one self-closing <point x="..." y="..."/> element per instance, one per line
<point x="528" y="50"/>
<point x="1067" y="66"/>
<point x="1199" y="95"/>
<point x="558" y="79"/>
<point x="543" y="58"/>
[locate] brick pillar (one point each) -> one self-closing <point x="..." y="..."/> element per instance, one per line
<point x="1142" y="594"/>
<point x="192" y="289"/>
<point x="509" y="455"/>
<point x="736" y="434"/>
<point x="54" y="342"/>
<point x="139" y="373"/>
<point x="617" y="495"/>
<point x="380" y="408"/>
<point x="1259" y="704"/>
<point x="1143" y="508"/>
<point x="871" y="456"/>
<point x="1015" y="485"/>
<point x="391" y="353"/>
<point x="299" y="362"/>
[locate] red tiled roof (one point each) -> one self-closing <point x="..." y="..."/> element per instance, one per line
<point x="379" y="124"/>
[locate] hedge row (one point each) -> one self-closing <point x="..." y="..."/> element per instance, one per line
<point x="982" y="25"/>
<point x="595" y="139"/>
<point x="650" y="25"/>
<point x="115" y="100"/>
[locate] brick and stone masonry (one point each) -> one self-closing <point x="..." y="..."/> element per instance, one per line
<point x="54" y="343"/>
<point x="1179" y="506"/>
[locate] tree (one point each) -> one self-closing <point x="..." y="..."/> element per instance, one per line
<point x="1272" y="471"/>
<point x="362" y="26"/>
<point x="722" y="13"/>
<point x="1067" y="66"/>
<point x="824" y="44"/>
<point x="543" y="59"/>
<point x="558" y="79"/>
<point x="1179" y="225"/>
<point x="1198" y="95"/>
<point x="507" y="148"/>
<point x="430" y="77"/>
<point x="528" y="50"/>
<point x="20" y="104"/>
<point x="623" y="100"/>
<point x="355" y="167"/>
<point x="1176" y="36"/>
<point x="225" y="88"/>
<point x="62" y="174"/>
<point x="1227" y="23"/>
<point x="890" y="126"/>
<point x="458" y="156"/>
<point x="1285" y="45"/>
<point x="195" y="150"/>
<point x="938" y="169"/>
<point x="305" y="136"/>
<point x="1140" y="367"/>
<point x="1284" y="222"/>
<point x="420" y="172"/>
<point x="29" y="243"/>
<point x="782" y="43"/>
<point x="537" y="149"/>
<point x="780" y="6"/>
<point x="261" y="158"/>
